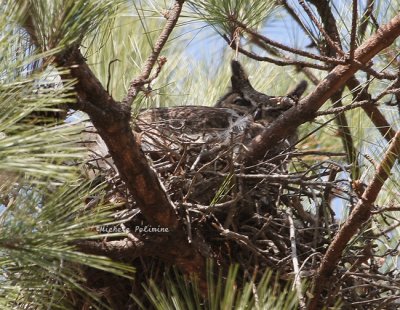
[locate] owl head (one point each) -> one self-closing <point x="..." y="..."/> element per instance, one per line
<point x="244" y="99"/>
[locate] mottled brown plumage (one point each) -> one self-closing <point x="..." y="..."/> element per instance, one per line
<point x="236" y="118"/>
<point x="244" y="99"/>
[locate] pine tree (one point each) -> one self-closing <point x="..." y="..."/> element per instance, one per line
<point x="78" y="220"/>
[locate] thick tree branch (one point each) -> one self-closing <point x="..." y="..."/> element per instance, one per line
<point x="121" y="250"/>
<point x="359" y="216"/>
<point x="112" y="121"/>
<point x="337" y="78"/>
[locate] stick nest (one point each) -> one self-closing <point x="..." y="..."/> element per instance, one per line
<point x="276" y="214"/>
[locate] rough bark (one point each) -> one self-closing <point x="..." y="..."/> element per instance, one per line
<point x="337" y="78"/>
<point x="112" y="121"/>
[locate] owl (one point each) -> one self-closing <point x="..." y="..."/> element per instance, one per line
<point x="235" y="119"/>
<point x="244" y="99"/>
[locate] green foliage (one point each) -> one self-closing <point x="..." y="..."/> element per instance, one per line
<point x="223" y="292"/>
<point x="39" y="260"/>
<point x="33" y="151"/>
<point x="224" y="189"/>
<point x="63" y="23"/>
<point x="41" y="192"/>
<point x="222" y="14"/>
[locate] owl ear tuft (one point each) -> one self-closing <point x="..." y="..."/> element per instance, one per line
<point x="239" y="77"/>
<point x="299" y="90"/>
<point x="238" y="70"/>
<point x="242" y="85"/>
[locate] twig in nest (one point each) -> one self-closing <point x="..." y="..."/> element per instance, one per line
<point x="243" y="240"/>
<point x="212" y="208"/>
<point x="295" y="260"/>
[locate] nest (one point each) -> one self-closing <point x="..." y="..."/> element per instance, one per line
<point x="276" y="214"/>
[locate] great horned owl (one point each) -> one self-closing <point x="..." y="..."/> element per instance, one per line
<point x="236" y="118"/>
<point x="241" y="100"/>
<point x="264" y="109"/>
<point x="244" y="99"/>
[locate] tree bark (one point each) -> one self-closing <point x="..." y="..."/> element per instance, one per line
<point x="337" y="78"/>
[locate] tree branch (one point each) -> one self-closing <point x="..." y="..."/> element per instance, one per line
<point x="353" y="30"/>
<point x="365" y="18"/>
<point x="360" y="215"/>
<point x="377" y="118"/>
<point x="112" y="122"/>
<point x="288" y="48"/>
<point x="116" y="249"/>
<point x="139" y="81"/>
<point x="333" y="43"/>
<point x="305" y="110"/>
<point x="279" y="62"/>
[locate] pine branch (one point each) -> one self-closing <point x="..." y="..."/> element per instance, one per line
<point x="337" y="78"/>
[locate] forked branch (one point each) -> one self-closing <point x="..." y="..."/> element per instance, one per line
<point x="143" y="78"/>
<point x="337" y="78"/>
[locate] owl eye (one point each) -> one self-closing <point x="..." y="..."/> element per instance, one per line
<point x="242" y="102"/>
